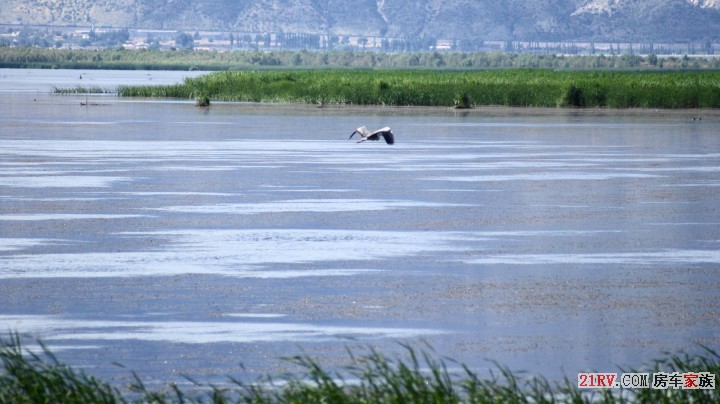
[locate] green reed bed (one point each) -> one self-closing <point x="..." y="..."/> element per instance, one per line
<point x="82" y="90"/>
<point x="417" y="376"/>
<point x="521" y="87"/>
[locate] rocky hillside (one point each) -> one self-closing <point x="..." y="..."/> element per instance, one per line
<point x="608" y="20"/>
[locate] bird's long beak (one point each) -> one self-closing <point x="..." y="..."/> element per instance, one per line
<point x="352" y="134"/>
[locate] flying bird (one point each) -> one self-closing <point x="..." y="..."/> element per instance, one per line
<point x="365" y="133"/>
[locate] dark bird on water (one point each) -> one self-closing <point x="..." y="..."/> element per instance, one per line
<point x="365" y="133"/>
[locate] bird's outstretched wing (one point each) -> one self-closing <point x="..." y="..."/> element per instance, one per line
<point x="387" y="134"/>
<point x="389" y="137"/>
<point x="362" y="131"/>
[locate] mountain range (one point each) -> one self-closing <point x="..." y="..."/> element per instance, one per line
<point x="529" y="20"/>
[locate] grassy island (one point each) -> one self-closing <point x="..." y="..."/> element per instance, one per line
<point x="512" y="87"/>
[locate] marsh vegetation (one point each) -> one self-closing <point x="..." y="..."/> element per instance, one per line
<point x="516" y="87"/>
<point x="28" y="376"/>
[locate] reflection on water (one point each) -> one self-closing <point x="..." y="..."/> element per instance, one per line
<point x="206" y="332"/>
<point x="304" y="205"/>
<point x="240" y="253"/>
<point x="138" y="229"/>
<point x="658" y="258"/>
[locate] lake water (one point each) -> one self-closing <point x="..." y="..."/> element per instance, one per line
<point x="180" y="240"/>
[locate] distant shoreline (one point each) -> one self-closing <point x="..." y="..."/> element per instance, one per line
<point x="278" y="59"/>
<point x="488" y="110"/>
<point x="492" y="110"/>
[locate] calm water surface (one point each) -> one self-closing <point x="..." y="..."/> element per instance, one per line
<point x="178" y="240"/>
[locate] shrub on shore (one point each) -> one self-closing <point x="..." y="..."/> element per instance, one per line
<point x="202" y="101"/>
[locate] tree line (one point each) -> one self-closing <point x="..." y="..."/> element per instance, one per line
<point x="119" y="58"/>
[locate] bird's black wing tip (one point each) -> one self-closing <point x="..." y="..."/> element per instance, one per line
<point x="389" y="137"/>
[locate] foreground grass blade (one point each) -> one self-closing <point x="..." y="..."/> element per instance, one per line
<point x="417" y="376"/>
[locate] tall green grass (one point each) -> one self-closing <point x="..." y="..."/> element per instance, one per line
<point x="82" y="90"/>
<point x="28" y="377"/>
<point x="418" y="376"/>
<point x="520" y="87"/>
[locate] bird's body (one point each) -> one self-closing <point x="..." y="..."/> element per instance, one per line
<point x="365" y="133"/>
